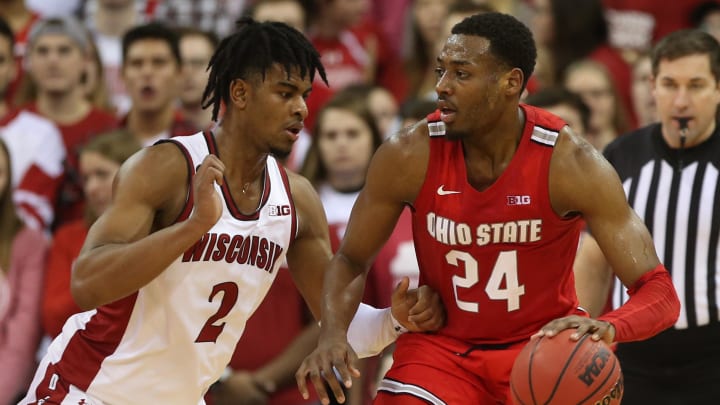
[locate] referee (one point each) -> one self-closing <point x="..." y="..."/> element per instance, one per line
<point x="670" y="172"/>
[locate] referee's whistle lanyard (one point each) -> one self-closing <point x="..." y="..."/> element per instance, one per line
<point x="683" y="137"/>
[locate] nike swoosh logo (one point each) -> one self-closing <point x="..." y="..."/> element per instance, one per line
<point x="442" y="191"/>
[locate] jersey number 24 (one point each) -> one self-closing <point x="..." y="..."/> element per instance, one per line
<point x="505" y="269"/>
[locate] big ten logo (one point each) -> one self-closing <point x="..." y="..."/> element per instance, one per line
<point x="595" y="366"/>
<point x="518" y="200"/>
<point x="279" y="210"/>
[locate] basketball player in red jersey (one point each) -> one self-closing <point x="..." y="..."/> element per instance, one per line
<point x="498" y="191"/>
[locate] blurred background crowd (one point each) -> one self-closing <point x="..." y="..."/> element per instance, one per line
<point x="86" y="83"/>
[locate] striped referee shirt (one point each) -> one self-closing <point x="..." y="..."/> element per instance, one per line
<point x="675" y="192"/>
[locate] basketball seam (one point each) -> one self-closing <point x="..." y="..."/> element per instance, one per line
<point x="562" y="372"/>
<point x="530" y="364"/>
<point x="516" y="396"/>
<point x="603" y="383"/>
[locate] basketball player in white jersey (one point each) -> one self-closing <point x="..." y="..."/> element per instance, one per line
<point x="196" y="233"/>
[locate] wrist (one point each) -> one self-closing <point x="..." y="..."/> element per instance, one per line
<point x="398" y="328"/>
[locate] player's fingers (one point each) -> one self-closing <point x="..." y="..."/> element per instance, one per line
<point x="426" y="299"/>
<point x="213" y="160"/>
<point x="319" y="384"/>
<point x="335" y="387"/>
<point x="301" y="380"/>
<point x="605" y="331"/>
<point x="343" y="372"/>
<point x="211" y="165"/>
<point x="553" y="327"/>
<point x="401" y="289"/>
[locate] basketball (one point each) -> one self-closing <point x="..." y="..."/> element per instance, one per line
<point x="560" y="371"/>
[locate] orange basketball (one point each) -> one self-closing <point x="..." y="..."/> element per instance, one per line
<point x="560" y="371"/>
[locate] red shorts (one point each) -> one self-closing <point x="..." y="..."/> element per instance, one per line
<point x="441" y="370"/>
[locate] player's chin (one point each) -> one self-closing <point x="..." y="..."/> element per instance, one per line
<point x="281" y="153"/>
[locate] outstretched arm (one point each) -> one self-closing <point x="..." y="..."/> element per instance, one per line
<point x="372" y="221"/>
<point x="582" y="181"/>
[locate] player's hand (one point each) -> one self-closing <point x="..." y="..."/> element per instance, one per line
<point x="333" y="351"/>
<point x="584" y="325"/>
<point x="419" y="309"/>
<point x="238" y="389"/>
<point x="208" y="205"/>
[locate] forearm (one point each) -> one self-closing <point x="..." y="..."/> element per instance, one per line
<point x="107" y="273"/>
<point x="344" y="284"/>
<point x="653" y="307"/>
<point x="593" y="276"/>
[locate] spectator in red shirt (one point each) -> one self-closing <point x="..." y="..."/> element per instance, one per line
<point x="35" y="144"/>
<point x="58" y="58"/>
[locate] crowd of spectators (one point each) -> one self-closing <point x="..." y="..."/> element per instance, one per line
<point x="85" y="83"/>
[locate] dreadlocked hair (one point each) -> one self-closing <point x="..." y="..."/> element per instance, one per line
<point x="253" y="48"/>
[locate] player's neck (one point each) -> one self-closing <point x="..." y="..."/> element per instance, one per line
<point x="63" y="108"/>
<point x="243" y="162"/>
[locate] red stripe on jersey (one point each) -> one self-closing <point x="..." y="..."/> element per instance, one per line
<point x="187" y="208"/>
<point x="54" y="395"/>
<point x="286" y="183"/>
<point x="89" y="347"/>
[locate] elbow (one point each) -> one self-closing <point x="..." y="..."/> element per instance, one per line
<point x="81" y="291"/>
<point x="81" y="296"/>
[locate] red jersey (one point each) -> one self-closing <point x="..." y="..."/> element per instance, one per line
<point x="58" y="303"/>
<point x="501" y="258"/>
<point x="71" y="203"/>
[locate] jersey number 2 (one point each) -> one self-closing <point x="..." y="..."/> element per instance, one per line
<point x="505" y="269"/>
<point x="211" y="330"/>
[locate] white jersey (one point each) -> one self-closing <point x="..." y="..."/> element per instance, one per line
<point x="167" y="343"/>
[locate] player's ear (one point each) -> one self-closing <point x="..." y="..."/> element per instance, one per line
<point x="513" y="81"/>
<point x="238" y="93"/>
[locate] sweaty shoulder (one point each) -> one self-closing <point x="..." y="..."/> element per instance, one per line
<point x="577" y="171"/>
<point x="157" y="176"/>
<point x="400" y="164"/>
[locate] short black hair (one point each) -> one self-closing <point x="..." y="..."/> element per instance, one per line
<point x="511" y="42"/>
<point x="6" y="31"/>
<point x="152" y="30"/>
<point x="702" y="10"/>
<point x="253" y="49"/>
<point x="687" y="42"/>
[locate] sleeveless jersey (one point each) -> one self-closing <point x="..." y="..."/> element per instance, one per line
<point x="501" y="258"/>
<point x="167" y="343"/>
